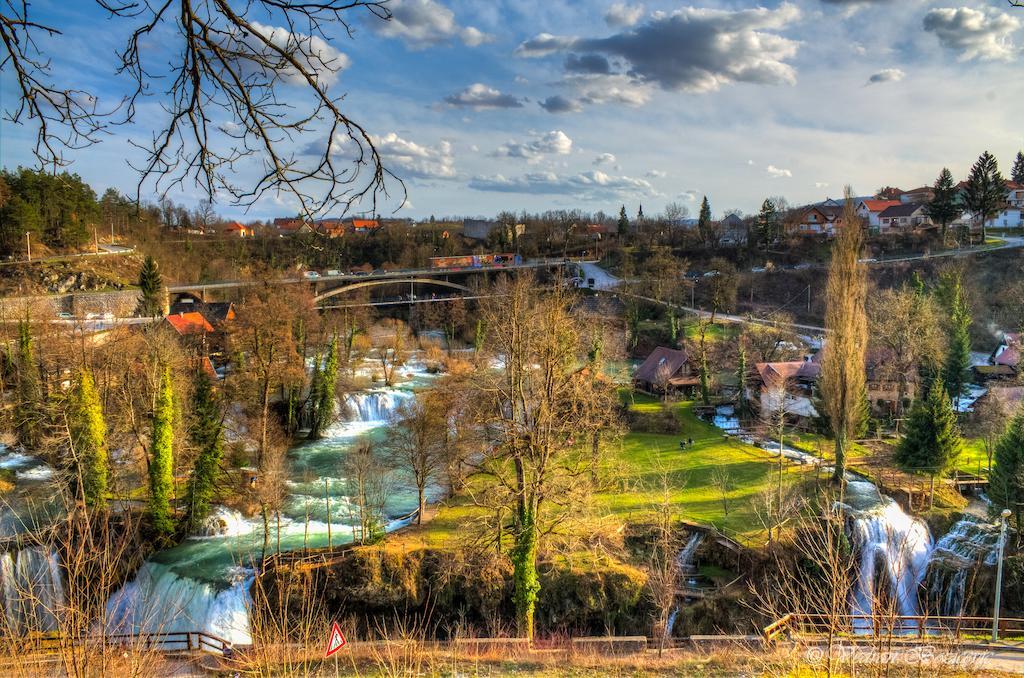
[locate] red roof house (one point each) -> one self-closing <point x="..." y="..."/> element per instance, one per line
<point x="187" y="324"/>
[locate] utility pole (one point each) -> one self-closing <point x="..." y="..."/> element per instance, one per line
<point x="999" y="573"/>
<point x="808" y="298"/>
<point x="28" y="244"/>
<point x="96" y="238"/>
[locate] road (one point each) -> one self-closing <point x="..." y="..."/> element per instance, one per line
<point x="105" y="250"/>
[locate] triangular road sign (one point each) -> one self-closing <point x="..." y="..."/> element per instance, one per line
<point x="336" y="641"/>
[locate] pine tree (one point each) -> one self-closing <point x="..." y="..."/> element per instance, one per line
<point x="28" y="409"/>
<point x="1017" y="174"/>
<point x="943" y="208"/>
<point x="958" y="359"/>
<point x="623" y="221"/>
<point x="88" y="440"/>
<point x="932" y="441"/>
<point x="767" y="223"/>
<point x="207" y="436"/>
<point x="161" y="463"/>
<point x="1006" y="482"/>
<point x="324" y="382"/>
<point x="704" y="221"/>
<point x="151" y="285"/>
<point x="985" y="192"/>
<point x="842" y="365"/>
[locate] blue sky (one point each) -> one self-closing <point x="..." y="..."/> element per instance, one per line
<point x="537" y="104"/>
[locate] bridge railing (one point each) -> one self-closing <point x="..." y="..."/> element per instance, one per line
<point x="882" y="625"/>
<point x="167" y="641"/>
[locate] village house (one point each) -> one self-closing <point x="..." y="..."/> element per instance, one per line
<point x="236" y="229"/>
<point x="785" y="387"/>
<point x="870" y="209"/>
<point x="816" y="220"/>
<point x="332" y="228"/>
<point x="1007" y="353"/>
<point x="290" y="226"/>
<point x="918" y="195"/>
<point x="364" y="225"/>
<point x="666" y="370"/>
<point x="903" y="217"/>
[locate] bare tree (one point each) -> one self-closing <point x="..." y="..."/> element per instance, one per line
<point x="390" y="350"/>
<point x="416" y="443"/>
<point x="247" y="63"/>
<point x="724" y="483"/>
<point x="369" y="485"/>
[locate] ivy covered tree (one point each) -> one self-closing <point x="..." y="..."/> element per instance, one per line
<point x="932" y="439"/>
<point x="1017" y="173"/>
<point x="28" y="411"/>
<point x="944" y="207"/>
<point x="151" y="284"/>
<point x="323" y="391"/>
<point x="161" y="462"/>
<point x="1006" y="482"/>
<point x="206" y="434"/>
<point x="88" y="441"/>
<point x="985" y="192"/>
<point x="958" y="358"/>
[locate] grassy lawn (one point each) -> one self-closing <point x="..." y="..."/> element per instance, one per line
<point x="636" y="471"/>
<point x="973" y="458"/>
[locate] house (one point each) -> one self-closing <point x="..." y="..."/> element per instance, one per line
<point x="918" y="195"/>
<point x="365" y="225"/>
<point x="291" y="226"/>
<point x="480" y="229"/>
<point x="1014" y="194"/>
<point x="189" y="324"/>
<point x="216" y="313"/>
<point x="665" y="370"/>
<point x="1008" y="351"/>
<point x="332" y="228"/>
<point x="816" y="220"/>
<point x="733" y="230"/>
<point x="889" y="193"/>
<point x="599" y="231"/>
<point x="904" y="217"/>
<point x="869" y="209"/>
<point x="1009" y="217"/>
<point x="786" y="387"/>
<point x="236" y="229"/>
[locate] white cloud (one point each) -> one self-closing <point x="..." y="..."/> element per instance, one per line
<point x="821" y="184"/>
<point x="605" y="159"/>
<point x="555" y="142"/>
<point x="585" y="184"/>
<point x="655" y="174"/>
<point x="975" y="34"/>
<point x="777" y="172"/>
<point x="603" y="89"/>
<point x="479" y="96"/>
<point x="690" y="195"/>
<point x="620" y="15"/>
<point x="425" y="23"/>
<point x="407" y="159"/>
<point x="886" y="75"/>
<point x="691" y="49"/>
<point x="312" y="51"/>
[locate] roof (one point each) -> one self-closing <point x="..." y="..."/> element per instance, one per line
<point x="659" y="358"/>
<point x="776" y="374"/>
<point x="365" y="223"/>
<point x="288" y="224"/>
<point x="236" y="226"/>
<point x="922" y="189"/>
<point x="903" y="209"/>
<point x="879" y="205"/>
<point x="189" y="323"/>
<point x="1010" y="355"/>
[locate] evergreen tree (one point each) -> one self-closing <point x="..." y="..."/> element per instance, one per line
<point x="1017" y="174"/>
<point x="207" y="436"/>
<point x="151" y="285"/>
<point x="985" y="192"/>
<point x="88" y="440"/>
<point x="161" y="463"/>
<point x="704" y="221"/>
<point x="1006" y="482"/>
<point x="943" y="208"/>
<point x="623" y="221"/>
<point x="324" y="382"/>
<point x="28" y="411"/>
<point x="958" y="359"/>
<point x="932" y="439"/>
<point x="767" y="223"/>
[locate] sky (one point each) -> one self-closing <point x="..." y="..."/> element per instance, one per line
<point x="538" y="104"/>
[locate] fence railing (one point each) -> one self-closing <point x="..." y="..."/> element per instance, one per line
<point x="881" y="625"/>
<point x="166" y="641"/>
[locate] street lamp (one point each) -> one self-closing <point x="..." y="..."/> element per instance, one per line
<point x="999" y="573"/>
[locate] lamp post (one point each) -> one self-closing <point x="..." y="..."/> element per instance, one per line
<point x="999" y="573"/>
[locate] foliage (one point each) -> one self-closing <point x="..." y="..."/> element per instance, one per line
<point x="28" y="411"/>
<point x="88" y="439"/>
<point x="768" y="223"/>
<point x="322" y="392"/>
<point x="1017" y="173"/>
<point x="151" y="284"/>
<point x="623" y="224"/>
<point x="932" y="440"/>
<point x="161" y="462"/>
<point x="943" y="207"/>
<point x="56" y="209"/>
<point x="842" y="382"/>
<point x="1006" y="484"/>
<point x="958" y="358"/>
<point x="704" y="226"/>
<point x="207" y="436"/>
<point x="985" y="191"/>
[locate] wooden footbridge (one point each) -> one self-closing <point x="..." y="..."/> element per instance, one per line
<point x="922" y="628"/>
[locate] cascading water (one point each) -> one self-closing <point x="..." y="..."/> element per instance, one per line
<point x="374" y="406"/>
<point x="33" y="590"/>
<point x="968" y="545"/>
<point x="684" y="565"/>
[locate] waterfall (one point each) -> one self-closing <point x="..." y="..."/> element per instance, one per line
<point x="894" y="550"/>
<point x="33" y="589"/>
<point x="225" y="522"/>
<point x="374" y="406"/>
<point x="968" y="545"/>
<point x="684" y="565"/>
<point x="159" y="600"/>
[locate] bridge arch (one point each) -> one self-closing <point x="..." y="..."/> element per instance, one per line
<point x="389" y="281"/>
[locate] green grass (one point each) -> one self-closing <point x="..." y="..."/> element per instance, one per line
<point x="972" y="455"/>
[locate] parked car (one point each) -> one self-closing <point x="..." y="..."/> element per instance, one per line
<point x="64" y="315"/>
<point x="867" y="260"/>
<point x="108" y="316"/>
<point x="710" y="274"/>
<point x="333" y="271"/>
<point x="759" y="269"/>
<point x="310" y="275"/>
<point x="803" y="267"/>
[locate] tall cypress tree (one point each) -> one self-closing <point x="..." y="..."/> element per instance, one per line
<point x="985" y="192"/>
<point x="28" y="411"/>
<point x="958" y="359"/>
<point x="623" y="221"/>
<point x="1017" y="174"/>
<point x="704" y="221"/>
<point x="151" y="285"/>
<point x="932" y="439"/>
<point x="161" y="463"/>
<point x="88" y="439"/>
<point x="1005" y="488"/>
<point x="768" y="223"/>
<point x="207" y="436"/>
<point x="322" y="396"/>
<point x="943" y="207"/>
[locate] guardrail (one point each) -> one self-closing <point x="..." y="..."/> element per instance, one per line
<point x="905" y="627"/>
<point x="167" y="641"/>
